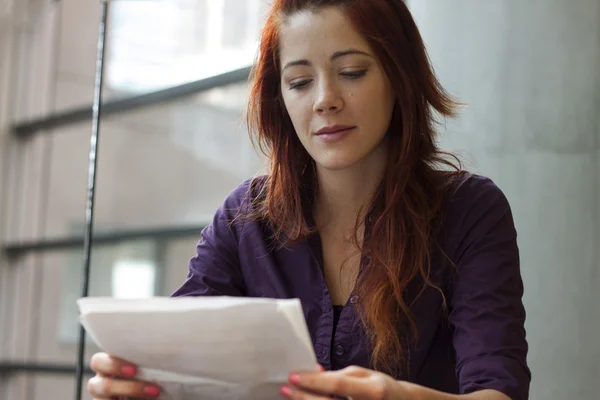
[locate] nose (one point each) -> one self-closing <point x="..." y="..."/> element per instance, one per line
<point x="329" y="99"/>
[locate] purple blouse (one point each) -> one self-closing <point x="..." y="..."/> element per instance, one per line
<point x="477" y="342"/>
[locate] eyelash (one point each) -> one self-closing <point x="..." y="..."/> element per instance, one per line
<point x="349" y="75"/>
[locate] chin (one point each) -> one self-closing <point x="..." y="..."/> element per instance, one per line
<point x="337" y="163"/>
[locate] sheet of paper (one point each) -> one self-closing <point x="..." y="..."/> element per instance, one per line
<point x="204" y="347"/>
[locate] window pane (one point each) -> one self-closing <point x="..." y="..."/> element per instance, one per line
<point x="44" y="315"/>
<point x="152" y="44"/>
<point x="125" y="270"/>
<point x="160" y="43"/>
<point x="57" y="387"/>
<point x="171" y="164"/>
<point x="133" y="279"/>
<point x="43" y="387"/>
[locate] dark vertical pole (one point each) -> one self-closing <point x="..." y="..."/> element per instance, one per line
<point x="91" y="189"/>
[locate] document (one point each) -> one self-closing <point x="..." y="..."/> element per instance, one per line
<point x="204" y="348"/>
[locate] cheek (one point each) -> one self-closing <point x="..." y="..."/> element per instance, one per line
<point x="374" y="101"/>
<point x="385" y="105"/>
<point x="377" y="108"/>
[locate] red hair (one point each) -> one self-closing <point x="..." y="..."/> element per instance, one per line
<point x="409" y="200"/>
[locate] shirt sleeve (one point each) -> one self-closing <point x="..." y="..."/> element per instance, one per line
<point x="215" y="269"/>
<point x="486" y="309"/>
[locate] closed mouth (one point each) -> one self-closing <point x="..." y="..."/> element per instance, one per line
<point x="333" y="129"/>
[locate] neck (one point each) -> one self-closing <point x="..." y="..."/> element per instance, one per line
<point x="343" y="194"/>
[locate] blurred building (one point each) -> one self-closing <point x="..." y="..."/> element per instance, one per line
<point x="529" y="73"/>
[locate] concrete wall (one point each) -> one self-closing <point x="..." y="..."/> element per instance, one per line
<point x="529" y="72"/>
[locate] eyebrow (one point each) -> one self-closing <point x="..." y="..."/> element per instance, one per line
<point x="334" y="56"/>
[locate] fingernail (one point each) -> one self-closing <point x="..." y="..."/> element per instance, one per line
<point x="286" y="391"/>
<point x="152" y="391"/>
<point x="128" y="370"/>
<point x="295" y="379"/>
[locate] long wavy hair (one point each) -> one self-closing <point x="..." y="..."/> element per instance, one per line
<point x="410" y="197"/>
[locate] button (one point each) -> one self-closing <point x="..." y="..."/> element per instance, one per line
<point x="339" y="350"/>
<point x="353" y="299"/>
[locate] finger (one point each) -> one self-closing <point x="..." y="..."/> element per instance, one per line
<point x="357" y="372"/>
<point x="106" y="364"/>
<point x="320" y="368"/>
<point x="335" y="383"/>
<point x="106" y="388"/>
<point x="295" y="393"/>
<point x="363" y="386"/>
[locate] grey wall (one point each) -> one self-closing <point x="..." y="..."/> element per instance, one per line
<point x="529" y="73"/>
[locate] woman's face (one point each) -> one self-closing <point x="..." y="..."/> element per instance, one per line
<point x="336" y="93"/>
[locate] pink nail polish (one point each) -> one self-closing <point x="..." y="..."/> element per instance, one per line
<point x="128" y="370"/>
<point x="152" y="391"/>
<point x="286" y="391"/>
<point x="294" y="378"/>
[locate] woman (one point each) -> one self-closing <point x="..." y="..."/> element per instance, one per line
<point x="407" y="270"/>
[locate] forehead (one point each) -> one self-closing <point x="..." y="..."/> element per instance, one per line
<point x="313" y="35"/>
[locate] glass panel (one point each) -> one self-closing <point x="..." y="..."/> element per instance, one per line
<point x="44" y="322"/>
<point x="56" y="387"/>
<point x="161" y="43"/>
<point x="152" y="44"/>
<point x="31" y="386"/>
<point x="24" y="195"/>
<point x="74" y="56"/>
<point x="177" y="254"/>
<point x="133" y="279"/>
<point x="137" y="262"/>
<point x="171" y="164"/>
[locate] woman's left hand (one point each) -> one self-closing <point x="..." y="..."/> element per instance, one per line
<point x="351" y="383"/>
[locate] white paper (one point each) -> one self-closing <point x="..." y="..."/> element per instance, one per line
<point x="204" y="347"/>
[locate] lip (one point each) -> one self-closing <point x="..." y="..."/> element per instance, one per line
<point x="332" y="129"/>
<point x="333" y="133"/>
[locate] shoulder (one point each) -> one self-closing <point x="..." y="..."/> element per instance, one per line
<point x="469" y="190"/>
<point x="472" y="194"/>
<point x="475" y="209"/>
<point x="236" y="212"/>
<point x="241" y="199"/>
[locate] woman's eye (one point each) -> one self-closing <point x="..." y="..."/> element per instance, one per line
<point x="355" y="74"/>
<point x="299" y="84"/>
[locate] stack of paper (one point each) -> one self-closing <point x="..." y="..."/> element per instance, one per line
<point x="204" y="347"/>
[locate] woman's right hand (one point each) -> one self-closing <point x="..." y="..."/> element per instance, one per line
<point x="115" y="377"/>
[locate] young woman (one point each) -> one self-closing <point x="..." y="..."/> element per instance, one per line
<point x="406" y="266"/>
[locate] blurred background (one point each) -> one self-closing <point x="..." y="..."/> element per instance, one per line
<point x="173" y="144"/>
